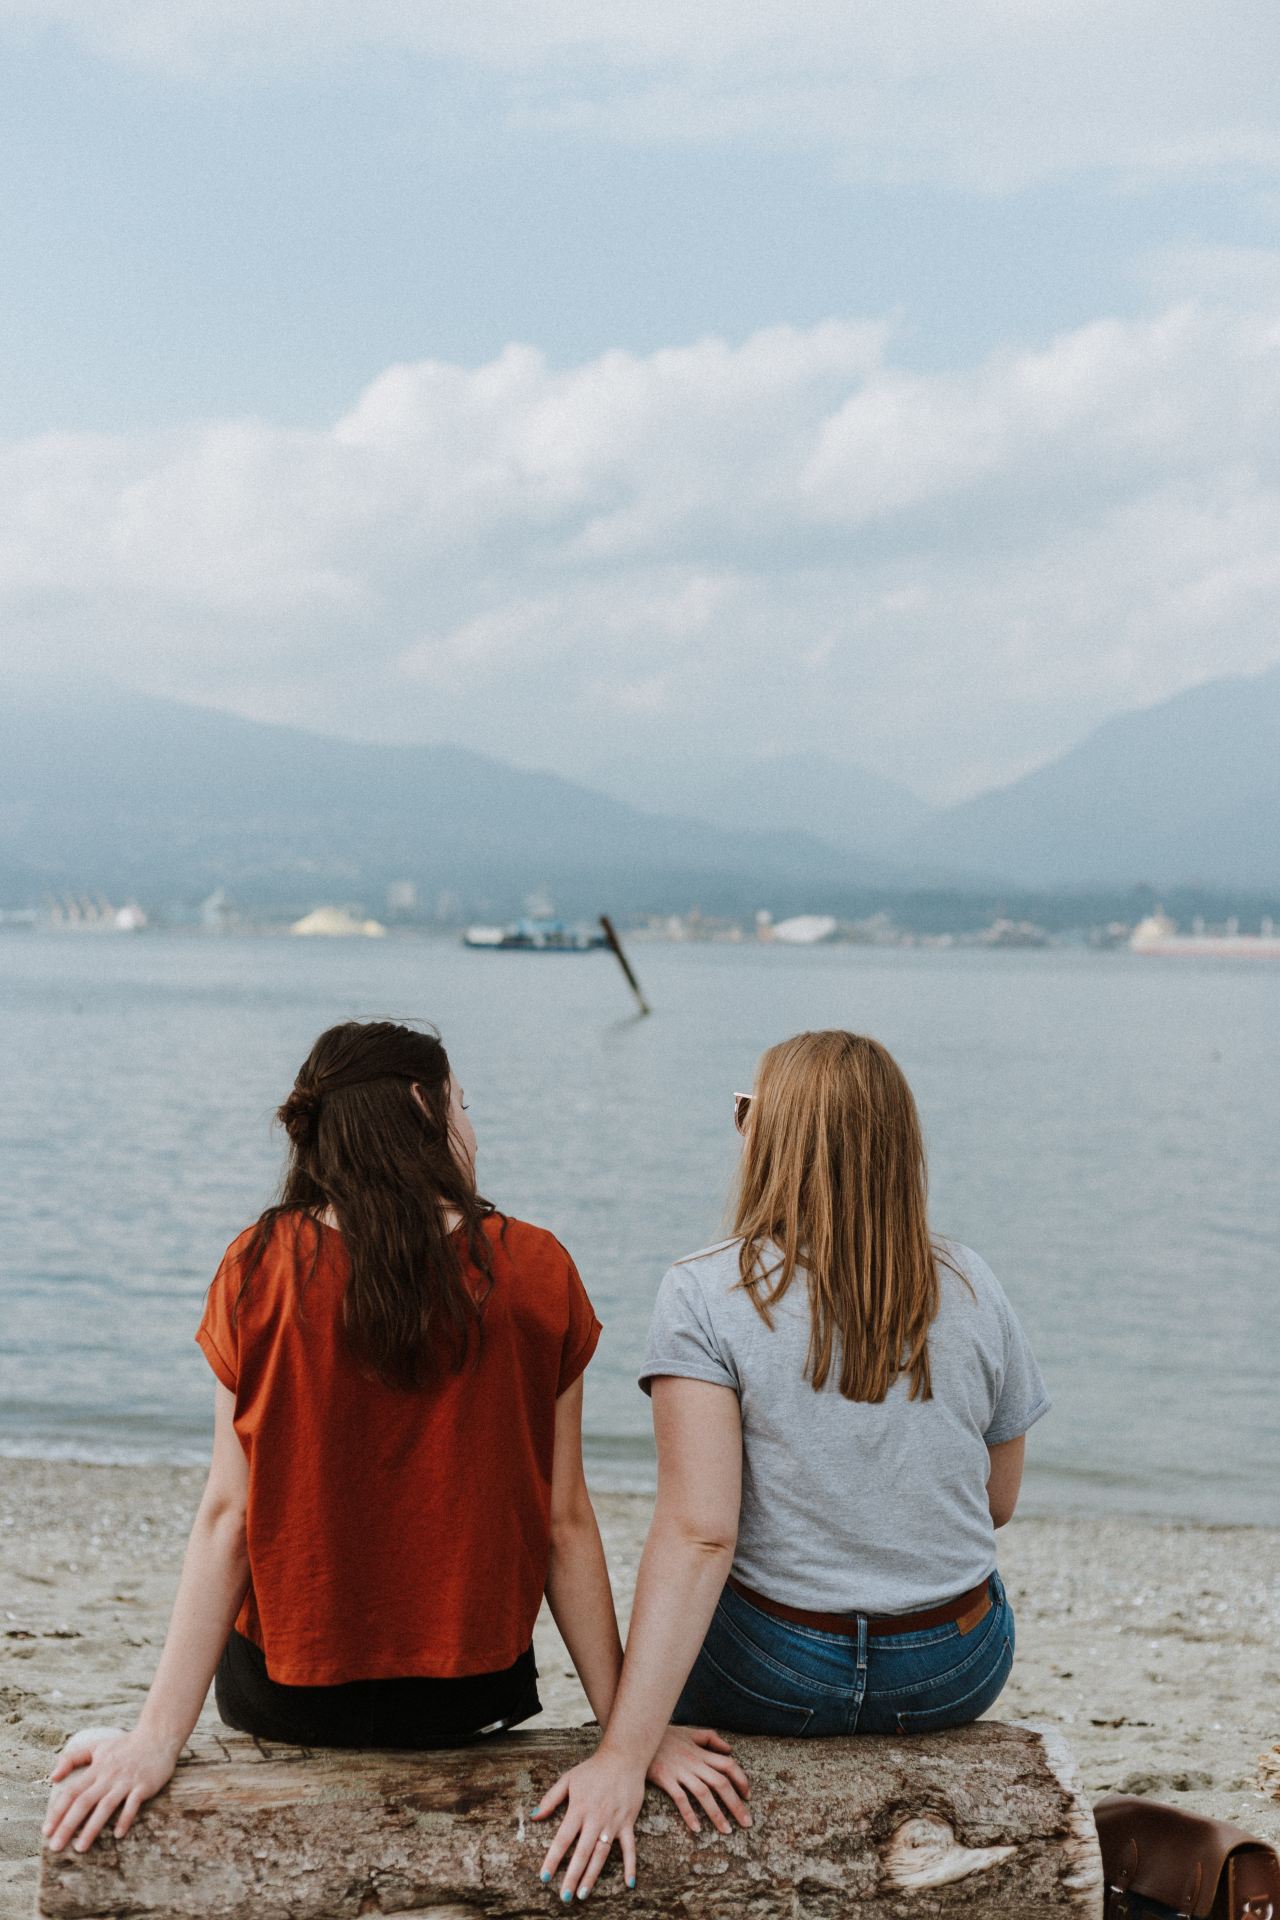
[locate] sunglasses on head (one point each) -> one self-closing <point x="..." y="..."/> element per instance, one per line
<point x="741" y="1103"/>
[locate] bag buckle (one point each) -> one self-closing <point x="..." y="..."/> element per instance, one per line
<point x="1120" y="1907"/>
<point x="1258" y="1910"/>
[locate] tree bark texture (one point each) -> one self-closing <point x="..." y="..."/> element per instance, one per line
<point x="981" y="1821"/>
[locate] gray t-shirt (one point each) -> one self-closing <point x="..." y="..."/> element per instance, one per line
<point x="850" y="1507"/>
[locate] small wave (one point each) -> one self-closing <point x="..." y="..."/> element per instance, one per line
<point x="626" y="1463"/>
<point x="95" y="1453"/>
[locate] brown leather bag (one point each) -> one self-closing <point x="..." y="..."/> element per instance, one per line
<point x="1159" y="1860"/>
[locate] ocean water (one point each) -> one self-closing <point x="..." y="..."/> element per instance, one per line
<point x="1102" y="1128"/>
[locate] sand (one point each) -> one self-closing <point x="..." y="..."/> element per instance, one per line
<point x="1155" y="1647"/>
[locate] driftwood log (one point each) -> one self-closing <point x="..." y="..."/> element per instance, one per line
<point x="985" y="1820"/>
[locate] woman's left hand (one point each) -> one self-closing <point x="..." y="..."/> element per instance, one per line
<point x="605" y="1794"/>
<point x="102" y="1772"/>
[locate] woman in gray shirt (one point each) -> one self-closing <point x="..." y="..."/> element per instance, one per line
<point x="839" y="1401"/>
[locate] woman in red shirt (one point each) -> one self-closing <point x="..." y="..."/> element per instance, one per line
<point x="397" y="1469"/>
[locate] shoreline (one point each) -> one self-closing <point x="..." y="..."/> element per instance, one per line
<point x="611" y="1473"/>
<point x="1153" y="1645"/>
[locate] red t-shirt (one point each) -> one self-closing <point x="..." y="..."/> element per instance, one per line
<point x="394" y="1533"/>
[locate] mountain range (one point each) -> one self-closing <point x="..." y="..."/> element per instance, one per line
<point x="120" y="793"/>
<point x="1180" y="793"/>
<point x="110" y="791"/>
<point x="848" y="806"/>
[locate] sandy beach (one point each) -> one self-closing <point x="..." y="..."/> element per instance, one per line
<point x="1155" y="1647"/>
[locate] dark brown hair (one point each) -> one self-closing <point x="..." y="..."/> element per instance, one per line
<point x="360" y="1143"/>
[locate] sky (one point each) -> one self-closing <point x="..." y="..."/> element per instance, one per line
<point x="893" y="381"/>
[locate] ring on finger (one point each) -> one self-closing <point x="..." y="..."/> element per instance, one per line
<point x="603" y="1841"/>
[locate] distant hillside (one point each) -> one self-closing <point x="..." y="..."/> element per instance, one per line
<point x="842" y="803"/>
<point x="103" y="791"/>
<point x="1187" y="791"/>
<point x="122" y="794"/>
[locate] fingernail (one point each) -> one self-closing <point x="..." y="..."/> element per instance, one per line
<point x="632" y="1883"/>
<point x="566" y="1897"/>
<point x="582" y="1893"/>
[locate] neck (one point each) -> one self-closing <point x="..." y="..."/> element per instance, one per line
<point x="452" y="1219"/>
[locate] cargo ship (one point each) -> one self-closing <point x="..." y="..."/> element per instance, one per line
<point x="1159" y="934"/>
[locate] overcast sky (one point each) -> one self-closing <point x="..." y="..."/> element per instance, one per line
<point x="898" y="379"/>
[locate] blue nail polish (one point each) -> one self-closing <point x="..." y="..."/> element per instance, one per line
<point x="544" y="1877"/>
<point x="566" y="1897"/>
<point x="632" y="1883"/>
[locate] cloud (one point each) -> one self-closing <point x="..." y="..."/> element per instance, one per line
<point x="791" y="539"/>
<point x="990" y="96"/>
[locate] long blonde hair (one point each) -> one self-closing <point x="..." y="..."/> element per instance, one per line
<point x="833" y="1176"/>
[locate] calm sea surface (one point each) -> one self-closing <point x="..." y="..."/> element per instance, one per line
<point x="1104" y="1129"/>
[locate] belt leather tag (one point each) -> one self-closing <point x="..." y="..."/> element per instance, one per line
<point x="968" y="1621"/>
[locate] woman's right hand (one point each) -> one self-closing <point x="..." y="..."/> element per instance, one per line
<point x="693" y="1763"/>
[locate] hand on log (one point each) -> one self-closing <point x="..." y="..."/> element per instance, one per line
<point x="980" y="1822"/>
<point x="103" y="1773"/>
<point x="604" y="1796"/>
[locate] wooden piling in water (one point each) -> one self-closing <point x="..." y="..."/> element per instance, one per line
<point x="610" y="934"/>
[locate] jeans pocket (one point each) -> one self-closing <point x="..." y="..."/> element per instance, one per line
<point x="715" y="1697"/>
<point x="960" y="1708"/>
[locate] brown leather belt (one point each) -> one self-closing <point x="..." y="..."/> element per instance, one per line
<point x="966" y="1611"/>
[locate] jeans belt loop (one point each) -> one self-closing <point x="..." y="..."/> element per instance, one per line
<point x="862" y="1643"/>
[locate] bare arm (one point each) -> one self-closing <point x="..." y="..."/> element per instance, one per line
<point x="1005" y="1479"/>
<point x="687" y="1557"/>
<point x="578" y="1590"/>
<point x="108" y="1772"/>
<point x="685" y="1564"/>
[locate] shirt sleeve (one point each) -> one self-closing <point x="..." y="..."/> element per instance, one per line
<point x="217" y="1334"/>
<point x="581" y="1334"/>
<point x="682" y="1341"/>
<point x="1023" y="1398"/>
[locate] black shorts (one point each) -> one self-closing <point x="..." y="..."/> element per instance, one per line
<point x="410" y="1713"/>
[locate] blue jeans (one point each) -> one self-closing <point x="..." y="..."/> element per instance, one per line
<point x="756" y="1674"/>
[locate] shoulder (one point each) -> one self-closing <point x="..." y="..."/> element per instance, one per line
<point x="289" y="1240"/>
<point x="524" y="1243"/>
<point x="704" y="1281"/>
<point x="713" y="1268"/>
<point x="238" y="1250"/>
<point x="967" y="1271"/>
<point x="966" y="1278"/>
<point x="532" y="1253"/>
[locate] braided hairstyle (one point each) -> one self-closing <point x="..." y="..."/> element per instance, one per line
<point x="367" y="1121"/>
